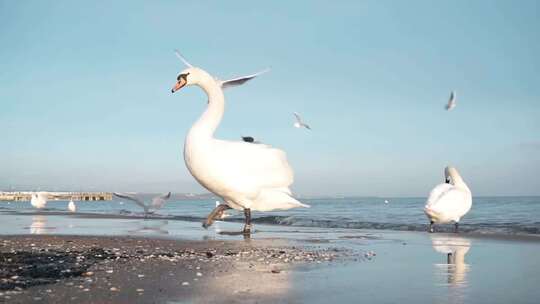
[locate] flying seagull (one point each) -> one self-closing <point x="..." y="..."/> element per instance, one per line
<point x="156" y="204"/>
<point x="451" y="102"/>
<point x="299" y="123"/>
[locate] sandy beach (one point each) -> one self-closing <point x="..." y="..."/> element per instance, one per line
<point x="86" y="269"/>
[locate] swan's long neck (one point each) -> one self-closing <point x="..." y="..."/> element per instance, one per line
<point x="210" y="119"/>
<point x="458" y="181"/>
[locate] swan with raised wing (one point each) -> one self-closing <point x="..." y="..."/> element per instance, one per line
<point x="39" y="200"/>
<point x="247" y="177"/>
<point x="450" y="201"/>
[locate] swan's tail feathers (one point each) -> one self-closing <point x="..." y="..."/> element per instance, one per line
<point x="431" y="213"/>
<point x="276" y="199"/>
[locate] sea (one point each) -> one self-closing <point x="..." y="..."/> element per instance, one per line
<point x="489" y="215"/>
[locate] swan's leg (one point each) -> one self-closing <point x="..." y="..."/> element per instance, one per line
<point x="456" y="225"/>
<point x="430" y="230"/>
<point x="247" y="226"/>
<point x="217" y="212"/>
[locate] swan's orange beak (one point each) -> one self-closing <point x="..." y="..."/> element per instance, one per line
<point x="180" y="84"/>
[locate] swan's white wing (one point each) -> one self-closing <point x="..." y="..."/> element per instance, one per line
<point x="240" y="80"/>
<point x="247" y="168"/>
<point x="448" y="202"/>
<point x="132" y="198"/>
<point x="159" y="201"/>
<point x="437" y="193"/>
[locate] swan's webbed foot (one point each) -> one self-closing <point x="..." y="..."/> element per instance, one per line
<point x="216" y="213"/>
<point x="246" y="232"/>
<point x="430" y="229"/>
<point x="456" y="227"/>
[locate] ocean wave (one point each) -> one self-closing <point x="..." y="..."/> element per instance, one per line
<point x="500" y="228"/>
<point x="483" y="228"/>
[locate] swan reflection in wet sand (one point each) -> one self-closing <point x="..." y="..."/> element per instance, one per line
<point x="39" y="225"/>
<point x="152" y="227"/>
<point x="454" y="249"/>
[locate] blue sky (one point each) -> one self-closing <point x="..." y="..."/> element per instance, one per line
<point x="85" y="100"/>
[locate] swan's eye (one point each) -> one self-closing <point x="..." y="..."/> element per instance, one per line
<point x="182" y="76"/>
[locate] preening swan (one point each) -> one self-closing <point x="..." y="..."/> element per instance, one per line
<point x="246" y="176"/>
<point x="39" y="200"/>
<point x="156" y="204"/>
<point x="450" y="201"/>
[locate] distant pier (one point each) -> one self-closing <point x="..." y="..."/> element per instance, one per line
<point x="59" y="196"/>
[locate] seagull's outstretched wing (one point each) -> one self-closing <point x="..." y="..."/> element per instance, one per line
<point x="298" y="118"/>
<point x="159" y="201"/>
<point x="132" y="198"/>
<point x="240" y="80"/>
<point x="182" y="59"/>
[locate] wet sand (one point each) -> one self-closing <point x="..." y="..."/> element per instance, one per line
<point x="59" y="269"/>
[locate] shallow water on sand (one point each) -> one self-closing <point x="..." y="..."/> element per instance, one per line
<point x="488" y="263"/>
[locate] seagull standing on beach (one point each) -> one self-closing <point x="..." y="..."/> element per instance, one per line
<point x="450" y="201"/>
<point x="39" y="200"/>
<point x="156" y="204"/>
<point x="246" y="176"/>
<point x="71" y="206"/>
<point x="451" y="102"/>
<point x="299" y="123"/>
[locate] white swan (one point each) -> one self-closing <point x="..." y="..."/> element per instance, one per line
<point x="450" y="201"/>
<point x="71" y="206"/>
<point x="246" y="176"/>
<point x="39" y="200"/>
